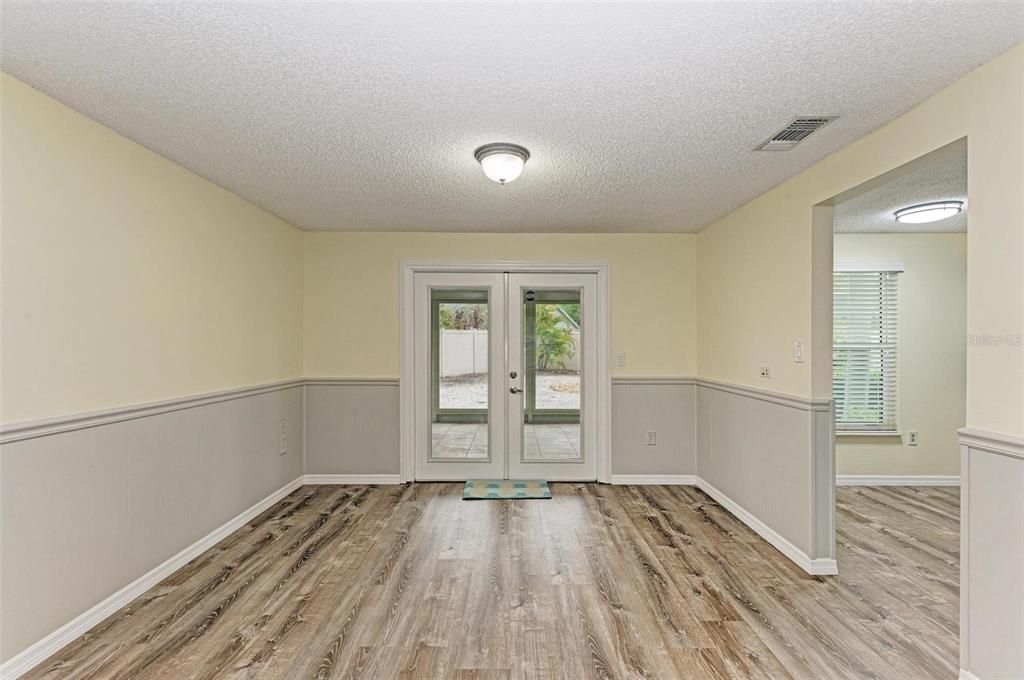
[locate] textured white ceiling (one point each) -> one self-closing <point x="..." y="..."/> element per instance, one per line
<point x="638" y="117"/>
<point x="939" y="179"/>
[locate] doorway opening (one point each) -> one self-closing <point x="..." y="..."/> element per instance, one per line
<point x="899" y="325"/>
<point x="506" y="380"/>
<point x="892" y="335"/>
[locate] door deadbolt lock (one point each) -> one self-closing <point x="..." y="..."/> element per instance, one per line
<point x="513" y="375"/>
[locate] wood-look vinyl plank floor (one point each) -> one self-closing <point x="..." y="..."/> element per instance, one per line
<point x="598" y="582"/>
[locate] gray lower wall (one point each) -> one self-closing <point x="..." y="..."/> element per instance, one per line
<point x="87" y="511"/>
<point x="772" y="455"/>
<point x="991" y="554"/>
<point x="352" y="427"/>
<point x="667" y="406"/>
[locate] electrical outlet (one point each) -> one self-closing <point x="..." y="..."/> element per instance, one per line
<point x="912" y="438"/>
<point x="766" y="372"/>
<point x="620" y="359"/>
<point x="284" y="438"/>
<point x="652" y="438"/>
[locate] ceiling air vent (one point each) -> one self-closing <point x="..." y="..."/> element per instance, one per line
<point x="794" y="133"/>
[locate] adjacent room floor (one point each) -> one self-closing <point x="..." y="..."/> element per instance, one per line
<point x="599" y="582"/>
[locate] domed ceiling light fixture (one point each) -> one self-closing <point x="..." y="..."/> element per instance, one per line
<point x="502" y="162"/>
<point x="928" y="212"/>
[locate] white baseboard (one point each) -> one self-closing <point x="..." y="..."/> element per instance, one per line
<point x="52" y="643"/>
<point x="687" y="480"/>
<point x="967" y="675"/>
<point x="818" y="567"/>
<point x="352" y="479"/>
<point x="897" y="480"/>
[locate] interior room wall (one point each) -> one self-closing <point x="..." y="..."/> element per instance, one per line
<point x="351" y="317"/>
<point x="932" y="354"/>
<point x="88" y="511"/>
<point x="751" y="317"/>
<point x="158" y="284"/>
<point x="126" y="280"/>
<point x="351" y="332"/>
<point x="755" y="266"/>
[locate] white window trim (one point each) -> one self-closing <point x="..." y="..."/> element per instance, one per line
<point x="869" y="433"/>
<point x="847" y="267"/>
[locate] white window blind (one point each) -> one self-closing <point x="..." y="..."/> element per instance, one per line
<point x="864" y="336"/>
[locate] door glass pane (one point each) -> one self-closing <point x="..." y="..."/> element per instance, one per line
<point x="552" y="347"/>
<point x="460" y="376"/>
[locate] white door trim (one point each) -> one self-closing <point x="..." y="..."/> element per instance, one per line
<point x="409" y="268"/>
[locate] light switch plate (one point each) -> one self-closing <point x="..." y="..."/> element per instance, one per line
<point x="620" y="359"/>
<point x="652" y="438"/>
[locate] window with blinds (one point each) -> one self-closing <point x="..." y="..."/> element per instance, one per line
<point x="864" y="334"/>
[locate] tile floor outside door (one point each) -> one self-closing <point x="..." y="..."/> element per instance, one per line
<point x="540" y="442"/>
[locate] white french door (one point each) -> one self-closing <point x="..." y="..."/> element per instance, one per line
<point x="505" y="375"/>
<point x="551" y="401"/>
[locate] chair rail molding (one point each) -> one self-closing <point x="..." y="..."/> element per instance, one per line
<point x="79" y="421"/>
<point x="780" y="398"/>
<point x="992" y="442"/>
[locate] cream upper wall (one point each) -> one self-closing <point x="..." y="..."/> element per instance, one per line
<point x="126" y="278"/>
<point x="351" y="319"/>
<point x="754" y="265"/>
<point x="932" y="354"/>
<point x="221" y="315"/>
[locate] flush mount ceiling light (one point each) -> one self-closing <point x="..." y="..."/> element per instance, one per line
<point x="928" y="212"/>
<point x="502" y="162"/>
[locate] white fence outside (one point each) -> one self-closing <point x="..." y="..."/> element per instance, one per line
<point x="465" y="353"/>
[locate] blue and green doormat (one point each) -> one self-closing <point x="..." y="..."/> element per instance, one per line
<point x="499" y="489"/>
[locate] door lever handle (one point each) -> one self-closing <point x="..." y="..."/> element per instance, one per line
<point x="514" y="390"/>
